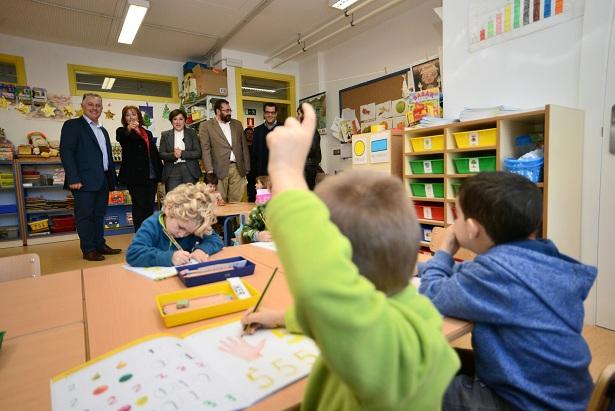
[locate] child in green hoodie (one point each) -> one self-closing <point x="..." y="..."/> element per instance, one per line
<point x="349" y="268"/>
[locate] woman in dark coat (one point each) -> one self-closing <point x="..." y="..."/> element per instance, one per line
<point x="141" y="168"/>
<point x="180" y="149"/>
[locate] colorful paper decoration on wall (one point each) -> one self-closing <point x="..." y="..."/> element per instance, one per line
<point x="48" y="110"/>
<point x="166" y="112"/>
<point x="109" y="114"/>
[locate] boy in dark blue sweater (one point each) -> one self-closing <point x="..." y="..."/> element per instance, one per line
<point x="181" y="233"/>
<point x="524" y="297"/>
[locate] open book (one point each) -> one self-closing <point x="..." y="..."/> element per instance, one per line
<point x="212" y="368"/>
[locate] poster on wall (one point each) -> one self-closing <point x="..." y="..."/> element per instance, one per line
<point x="319" y="102"/>
<point x="148" y="117"/>
<point x="426" y="75"/>
<point x="379" y="148"/>
<point x="359" y="150"/>
<point x="492" y="22"/>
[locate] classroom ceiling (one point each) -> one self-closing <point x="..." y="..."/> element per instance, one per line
<point x="183" y="30"/>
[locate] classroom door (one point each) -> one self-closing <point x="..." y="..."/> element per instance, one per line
<point x="605" y="303"/>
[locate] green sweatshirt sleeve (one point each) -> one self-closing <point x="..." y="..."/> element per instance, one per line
<point x="384" y="349"/>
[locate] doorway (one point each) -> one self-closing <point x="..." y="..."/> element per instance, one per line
<point x="605" y="303"/>
<point x="254" y="88"/>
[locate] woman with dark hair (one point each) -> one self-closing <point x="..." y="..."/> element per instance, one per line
<point x="180" y="149"/>
<point x="141" y="167"/>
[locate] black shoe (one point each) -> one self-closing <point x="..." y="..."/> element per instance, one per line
<point x="93" y="256"/>
<point x="106" y="250"/>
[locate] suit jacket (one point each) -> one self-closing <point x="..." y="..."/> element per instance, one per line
<point x="136" y="159"/>
<point x="191" y="154"/>
<point x="217" y="151"/>
<point x="260" y="151"/>
<point x="82" y="158"/>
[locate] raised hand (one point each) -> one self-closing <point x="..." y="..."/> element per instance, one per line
<point x="288" y="149"/>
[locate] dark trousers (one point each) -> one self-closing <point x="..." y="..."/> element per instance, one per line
<point x="142" y="196"/>
<point x="251" y="187"/>
<point x="310" y="175"/>
<point x="179" y="175"/>
<point x="90" y="209"/>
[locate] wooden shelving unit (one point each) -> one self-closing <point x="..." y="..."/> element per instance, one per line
<point x="563" y="146"/>
<point x="53" y="191"/>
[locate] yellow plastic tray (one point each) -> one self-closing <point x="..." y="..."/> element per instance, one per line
<point x="188" y="315"/>
<point x="429" y="143"/>
<point x="39" y="225"/>
<point x="476" y="138"/>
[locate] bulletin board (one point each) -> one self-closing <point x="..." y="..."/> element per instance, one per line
<point x="374" y="91"/>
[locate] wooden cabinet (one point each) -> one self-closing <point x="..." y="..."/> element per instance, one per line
<point x="435" y="165"/>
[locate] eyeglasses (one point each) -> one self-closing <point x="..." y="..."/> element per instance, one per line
<point x="270" y="112"/>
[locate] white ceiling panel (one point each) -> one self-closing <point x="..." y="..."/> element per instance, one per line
<point x="183" y="29"/>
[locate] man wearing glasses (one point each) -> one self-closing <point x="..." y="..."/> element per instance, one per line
<point x="260" y="152"/>
<point x="225" y="152"/>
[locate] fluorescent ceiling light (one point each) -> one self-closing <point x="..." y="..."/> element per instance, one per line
<point x="132" y="21"/>
<point x="263" y="90"/>
<point x="108" y="83"/>
<point x="341" y="4"/>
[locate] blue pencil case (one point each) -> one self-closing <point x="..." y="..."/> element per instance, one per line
<point x="213" y="271"/>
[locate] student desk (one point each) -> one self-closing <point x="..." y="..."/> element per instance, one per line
<point x="35" y="304"/>
<point x="43" y="317"/>
<point x="120" y="307"/>
<point x="230" y="211"/>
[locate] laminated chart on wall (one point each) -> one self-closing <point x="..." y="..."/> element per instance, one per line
<point x="379" y="149"/>
<point x="214" y="368"/>
<point x="495" y="21"/>
<point x="359" y="150"/>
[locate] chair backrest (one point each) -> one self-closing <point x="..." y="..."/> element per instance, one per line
<point x="437" y="234"/>
<point x="19" y="266"/>
<point x="603" y="396"/>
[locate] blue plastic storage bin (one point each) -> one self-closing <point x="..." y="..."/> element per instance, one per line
<point x="8" y="208"/>
<point x="532" y="169"/>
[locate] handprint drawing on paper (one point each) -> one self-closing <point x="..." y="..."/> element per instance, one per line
<point x="241" y="349"/>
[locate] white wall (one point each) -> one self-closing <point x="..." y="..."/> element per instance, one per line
<point x="526" y="72"/>
<point x="564" y="64"/>
<point x="401" y="41"/>
<point x="46" y="66"/>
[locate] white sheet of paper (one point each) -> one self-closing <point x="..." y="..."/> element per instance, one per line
<point x="153" y="273"/>
<point x="268" y="245"/>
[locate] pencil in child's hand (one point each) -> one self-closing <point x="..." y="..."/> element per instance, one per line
<point x="258" y="303"/>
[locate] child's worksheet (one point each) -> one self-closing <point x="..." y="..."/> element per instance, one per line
<point x="214" y="368"/>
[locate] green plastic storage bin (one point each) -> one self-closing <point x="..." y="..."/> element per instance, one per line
<point x="427" y="190"/>
<point x="435" y="166"/>
<point x="456" y="187"/>
<point x="465" y="165"/>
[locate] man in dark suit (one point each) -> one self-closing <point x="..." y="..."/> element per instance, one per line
<point x="85" y="149"/>
<point x="225" y="152"/>
<point x="260" y="152"/>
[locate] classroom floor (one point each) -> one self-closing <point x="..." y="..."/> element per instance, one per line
<point x="65" y="256"/>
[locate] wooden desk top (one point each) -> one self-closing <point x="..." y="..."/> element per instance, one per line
<point x="27" y="363"/>
<point x="234" y="209"/>
<point x="41" y="303"/>
<point x="257" y="255"/>
<point x="120" y="307"/>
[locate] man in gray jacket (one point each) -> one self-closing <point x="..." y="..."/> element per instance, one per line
<point x="225" y="151"/>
